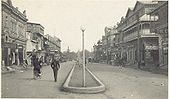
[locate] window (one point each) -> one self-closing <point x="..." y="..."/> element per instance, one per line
<point x="13" y="27"/>
<point x="145" y="26"/>
<point x="6" y="38"/>
<point x="6" y="21"/>
<point x="20" y="31"/>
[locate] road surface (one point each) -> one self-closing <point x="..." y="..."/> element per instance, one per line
<point x="121" y="83"/>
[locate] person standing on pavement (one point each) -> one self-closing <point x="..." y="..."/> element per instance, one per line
<point x="37" y="67"/>
<point x="55" y="65"/>
<point x="35" y="70"/>
<point x="40" y="62"/>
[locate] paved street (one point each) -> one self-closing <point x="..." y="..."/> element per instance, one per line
<point x="121" y="83"/>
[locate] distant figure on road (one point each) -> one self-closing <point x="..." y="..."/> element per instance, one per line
<point x="55" y="65"/>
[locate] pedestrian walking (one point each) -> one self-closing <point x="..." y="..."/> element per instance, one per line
<point x="40" y="62"/>
<point x="37" y="71"/>
<point x="55" y="65"/>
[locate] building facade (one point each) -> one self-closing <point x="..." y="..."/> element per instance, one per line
<point x="160" y="27"/>
<point x="104" y="49"/>
<point x="52" y="47"/>
<point x="98" y="52"/>
<point x="36" y="42"/>
<point x="111" y="48"/>
<point x="139" y="44"/>
<point x="13" y="36"/>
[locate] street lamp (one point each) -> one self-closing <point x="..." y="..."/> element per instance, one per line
<point x="83" y="29"/>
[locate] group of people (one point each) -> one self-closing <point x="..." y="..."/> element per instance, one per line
<point x="37" y="65"/>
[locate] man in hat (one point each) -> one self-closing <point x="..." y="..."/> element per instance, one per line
<point x="55" y="65"/>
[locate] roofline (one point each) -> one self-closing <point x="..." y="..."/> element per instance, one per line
<point x="165" y="2"/>
<point x="14" y="11"/>
<point x="35" y="24"/>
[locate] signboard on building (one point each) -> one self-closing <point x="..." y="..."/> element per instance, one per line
<point x="20" y="47"/>
<point x="9" y="45"/>
<point x="151" y="47"/>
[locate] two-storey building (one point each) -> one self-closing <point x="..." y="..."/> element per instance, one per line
<point x="13" y="36"/>
<point x="160" y="27"/>
<point x="36" y="33"/>
<point x="139" y="44"/>
<point x="111" y="49"/>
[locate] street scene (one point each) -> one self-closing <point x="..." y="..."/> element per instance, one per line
<point x="90" y="49"/>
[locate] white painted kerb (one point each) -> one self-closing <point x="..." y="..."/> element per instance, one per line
<point x="97" y="89"/>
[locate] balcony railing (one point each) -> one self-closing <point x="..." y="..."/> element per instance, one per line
<point x="146" y="17"/>
<point x="130" y="37"/>
<point x="143" y="33"/>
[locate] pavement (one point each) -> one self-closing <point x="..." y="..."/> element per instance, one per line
<point x="152" y="68"/>
<point x="13" y="69"/>
<point x="120" y="82"/>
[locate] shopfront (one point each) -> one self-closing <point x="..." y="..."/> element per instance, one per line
<point x="8" y="53"/>
<point x="151" y="55"/>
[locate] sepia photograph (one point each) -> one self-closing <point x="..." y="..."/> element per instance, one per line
<point x="84" y="49"/>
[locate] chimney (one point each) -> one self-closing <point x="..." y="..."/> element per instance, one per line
<point x="24" y="12"/>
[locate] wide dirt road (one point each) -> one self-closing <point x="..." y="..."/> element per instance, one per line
<point x="121" y="83"/>
<point x="127" y="83"/>
<point x="21" y="84"/>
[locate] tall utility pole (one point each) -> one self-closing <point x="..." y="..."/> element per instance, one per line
<point x="83" y="29"/>
<point x="138" y="42"/>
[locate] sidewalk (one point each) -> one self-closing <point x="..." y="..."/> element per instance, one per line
<point x="5" y="70"/>
<point x="14" y="68"/>
<point x="152" y="69"/>
<point x="160" y="70"/>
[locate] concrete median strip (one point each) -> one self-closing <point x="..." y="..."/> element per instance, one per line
<point x="96" y="89"/>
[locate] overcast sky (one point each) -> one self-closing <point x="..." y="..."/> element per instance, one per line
<point x="63" y="18"/>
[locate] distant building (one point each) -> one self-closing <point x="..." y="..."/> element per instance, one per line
<point x="98" y="52"/>
<point x="36" y="33"/>
<point x="111" y="48"/>
<point x="104" y="49"/>
<point x="53" y="46"/>
<point x="13" y="36"/>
